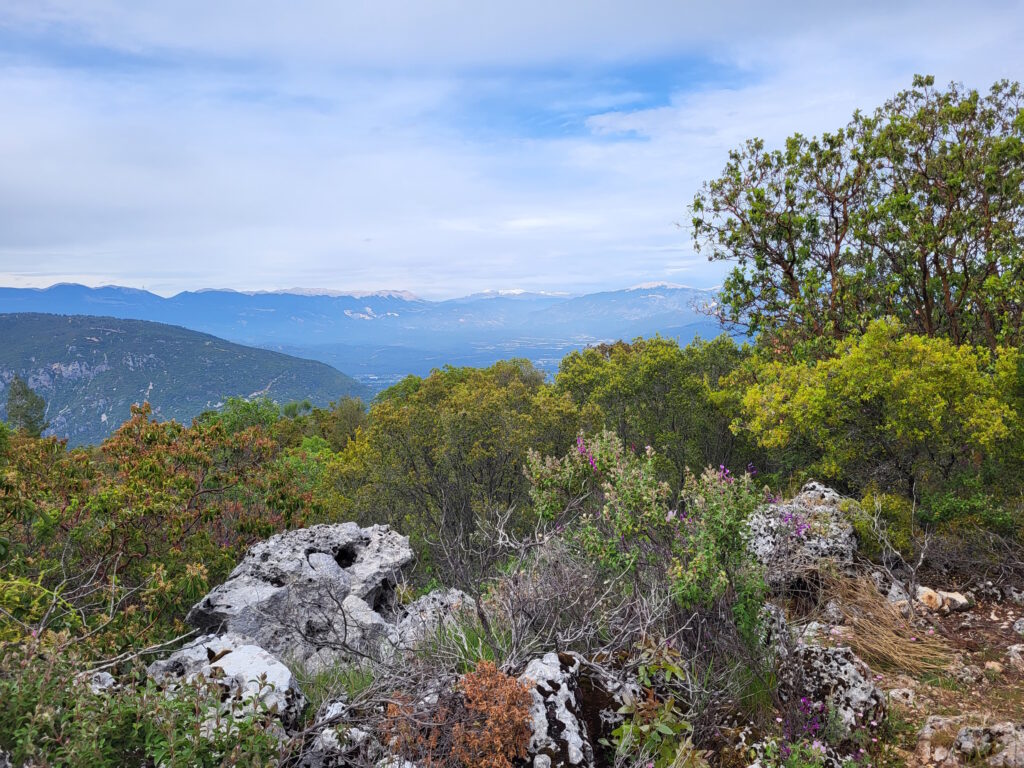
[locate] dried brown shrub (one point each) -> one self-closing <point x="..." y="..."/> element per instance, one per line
<point x="483" y="723"/>
<point x="496" y="730"/>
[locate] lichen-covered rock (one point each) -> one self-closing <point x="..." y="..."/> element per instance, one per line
<point x="311" y="595"/>
<point x="836" y="678"/>
<point x="935" y="737"/>
<point x="950" y="743"/>
<point x="559" y="735"/>
<point x="1018" y="626"/>
<point x="102" y="682"/>
<point x="1001" y="745"/>
<point x="253" y="681"/>
<point x="422" y="618"/>
<point x="791" y="538"/>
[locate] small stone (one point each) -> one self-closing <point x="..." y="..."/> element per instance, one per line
<point x="929" y="598"/>
<point x="994" y="667"/>
<point x="904" y="696"/>
<point x="1016" y="655"/>
<point x="1018" y="626"/>
<point x="101" y="682"/>
<point x="954" y="602"/>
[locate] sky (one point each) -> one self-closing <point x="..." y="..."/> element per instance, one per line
<point x="434" y="146"/>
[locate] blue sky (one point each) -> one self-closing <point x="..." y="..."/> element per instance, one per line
<point x="440" y="147"/>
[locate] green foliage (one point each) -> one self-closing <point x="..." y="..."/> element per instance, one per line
<point x="898" y="410"/>
<point x="442" y="458"/>
<point x="895" y="515"/>
<point x="656" y="730"/>
<point x="626" y="521"/>
<point x="26" y="410"/>
<point x="239" y="413"/>
<point x="119" y="543"/>
<point x="652" y="392"/>
<point x="50" y="718"/>
<point x="914" y="211"/>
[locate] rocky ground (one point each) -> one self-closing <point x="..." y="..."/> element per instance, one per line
<point x="974" y="711"/>
<point x="327" y="596"/>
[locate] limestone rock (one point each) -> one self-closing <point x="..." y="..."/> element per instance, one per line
<point x="1015" y="653"/>
<point x="1002" y="744"/>
<point x="248" y="674"/>
<point x="559" y="738"/>
<point x="421" y="618"/>
<point x="789" y="539"/>
<point x="935" y="736"/>
<point x="101" y="682"/>
<point x="904" y="696"/>
<point x="310" y="595"/>
<point x="1018" y="626"/>
<point x="954" y="602"/>
<point x="836" y="677"/>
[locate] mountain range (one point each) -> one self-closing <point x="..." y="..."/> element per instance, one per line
<point x="91" y="369"/>
<point x="380" y="337"/>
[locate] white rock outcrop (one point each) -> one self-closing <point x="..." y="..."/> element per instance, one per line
<point x="790" y="538"/>
<point x="253" y="681"/>
<point x="312" y="595"/>
<point x="559" y="738"/>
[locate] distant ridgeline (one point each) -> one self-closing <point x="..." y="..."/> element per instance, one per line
<point x="380" y="337"/>
<point x="91" y="369"/>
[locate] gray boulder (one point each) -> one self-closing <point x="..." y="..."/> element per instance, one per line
<point x="313" y="595"/>
<point x="791" y="538"/>
<point x="836" y="678"/>
<point x="423" y="617"/>
<point x="1001" y="745"/>
<point x="253" y="681"/>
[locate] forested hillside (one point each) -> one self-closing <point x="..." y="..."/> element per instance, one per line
<point x="90" y="370"/>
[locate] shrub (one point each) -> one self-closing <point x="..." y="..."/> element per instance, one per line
<point x="625" y="519"/>
<point x="50" y="718"/>
<point x="901" y="412"/>
<point x="483" y="722"/>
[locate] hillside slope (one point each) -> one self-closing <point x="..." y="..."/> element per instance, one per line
<point x="91" y="369"/>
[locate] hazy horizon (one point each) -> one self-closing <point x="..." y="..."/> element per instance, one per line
<point x="441" y="150"/>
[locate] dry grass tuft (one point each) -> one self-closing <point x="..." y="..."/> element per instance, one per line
<point x="882" y="636"/>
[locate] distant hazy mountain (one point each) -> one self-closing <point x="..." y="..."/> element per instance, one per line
<point x="91" y="369"/>
<point x="379" y="337"/>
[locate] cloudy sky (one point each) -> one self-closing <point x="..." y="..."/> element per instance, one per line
<point x="438" y="146"/>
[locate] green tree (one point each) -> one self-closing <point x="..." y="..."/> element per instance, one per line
<point x="241" y="413"/>
<point x="442" y="458"/>
<point x="653" y="392"/>
<point x="26" y="410"/>
<point x="890" y="409"/>
<point x="915" y="211"/>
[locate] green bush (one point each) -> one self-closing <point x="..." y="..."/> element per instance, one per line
<point x="626" y="519"/>
<point x="50" y="718"/>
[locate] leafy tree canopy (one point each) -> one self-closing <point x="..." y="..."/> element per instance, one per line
<point x="915" y="211"/>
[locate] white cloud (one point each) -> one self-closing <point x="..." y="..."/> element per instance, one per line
<point x="256" y="147"/>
